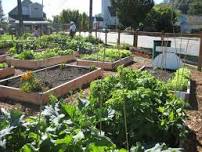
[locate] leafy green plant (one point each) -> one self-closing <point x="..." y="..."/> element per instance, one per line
<point x="48" y="53"/>
<point x="26" y="55"/>
<point x="140" y="102"/>
<point x="60" y="127"/>
<point x="180" y="80"/>
<point x="108" y="55"/>
<point x="3" y="65"/>
<point x="29" y="83"/>
<point x="6" y="44"/>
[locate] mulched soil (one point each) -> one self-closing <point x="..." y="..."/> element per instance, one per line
<point x="194" y="113"/>
<point x="161" y="74"/>
<point x="53" y="77"/>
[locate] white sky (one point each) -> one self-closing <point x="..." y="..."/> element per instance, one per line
<point x="54" y="7"/>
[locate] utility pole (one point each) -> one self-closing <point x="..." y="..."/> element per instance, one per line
<point x="90" y="16"/>
<point x="42" y="9"/>
<point x="20" y="27"/>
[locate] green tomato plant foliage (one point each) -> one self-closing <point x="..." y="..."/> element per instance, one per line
<point x="153" y="114"/>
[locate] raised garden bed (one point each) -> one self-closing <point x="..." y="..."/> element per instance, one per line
<point x="2" y="58"/>
<point x="5" y="72"/>
<point x="37" y="64"/>
<point x="165" y="75"/>
<point x="59" y="82"/>
<point x="106" y="65"/>
<point x="141" y="52"/>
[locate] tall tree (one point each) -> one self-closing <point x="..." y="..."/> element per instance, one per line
<point x="195" y="8"/>
<point x="84" y="20"/>
<point x="132" y="12"/>
<point x="161" y="18"/>
<point x="81" y="20"/>
<point x="182" y="5"/>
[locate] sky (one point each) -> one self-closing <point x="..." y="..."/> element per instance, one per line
<point x="54" y="7"/>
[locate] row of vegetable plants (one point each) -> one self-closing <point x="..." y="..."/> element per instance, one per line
<point x="49" y="41"/>
<point x="121" y="112"/>
<point x="107" y="55"/>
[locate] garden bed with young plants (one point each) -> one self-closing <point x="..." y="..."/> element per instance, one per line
<point x="6" y="71"/>
<point x="130" y="111"/>
<point x="34" y="60"/>
<point x="108" y="59"/>
<point x="35" y="87"/>
<point x="178" y="82"/>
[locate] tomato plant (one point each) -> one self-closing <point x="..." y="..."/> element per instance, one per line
<point x="140" y="102"/>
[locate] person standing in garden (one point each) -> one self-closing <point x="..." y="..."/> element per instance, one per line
<point x="72" y="29"/>
<point x="36" y="32"/>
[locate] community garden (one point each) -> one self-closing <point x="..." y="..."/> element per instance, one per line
<point x="89" y="97"/>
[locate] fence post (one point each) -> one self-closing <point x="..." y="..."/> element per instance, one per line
<point x="135" y="40"/>
<point x="105" y="37"/>
<point x="119" y="37"/>
<point x="162" y="37"/>
<point x="200" y="54"/>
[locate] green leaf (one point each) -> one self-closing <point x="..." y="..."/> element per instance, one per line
<point x="67" y="140"/>
<point x="171" y="116"/>
<point x="79" y="136"/>
<point x="27" y="148"/>
<point x="69" y="110"/>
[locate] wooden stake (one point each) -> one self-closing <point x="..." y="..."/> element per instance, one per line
<point x="200" y="54"/>
<point x="135" y="40"/>
<point x="119" y="37"/>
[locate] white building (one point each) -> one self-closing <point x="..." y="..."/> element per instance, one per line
<point x="108" y="14"/>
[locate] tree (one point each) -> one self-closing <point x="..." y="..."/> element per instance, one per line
<point x="161" y="18"/>
<point x="195" y="8"/>
<point x="191" y="7"/>
<point x="182" y="5"/>
<point x="132" y="12"/>
<point x="84" y="20"/>
<point x="66" y="16"/>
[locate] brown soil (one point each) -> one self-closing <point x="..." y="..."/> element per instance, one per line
<point x="160" y="74"/>
<point x="194" y="121"/>
<point x="53" y="77"/>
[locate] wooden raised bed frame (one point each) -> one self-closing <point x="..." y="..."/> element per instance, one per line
<point x="2" y="58"/>
<point x="106" y="65"/>
<point x="5" y="72"/>
<point x="40" y="98"/>
<point x="37" y="64"/>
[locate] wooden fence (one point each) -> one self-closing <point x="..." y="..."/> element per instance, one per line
<point x="157" y="34"/>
